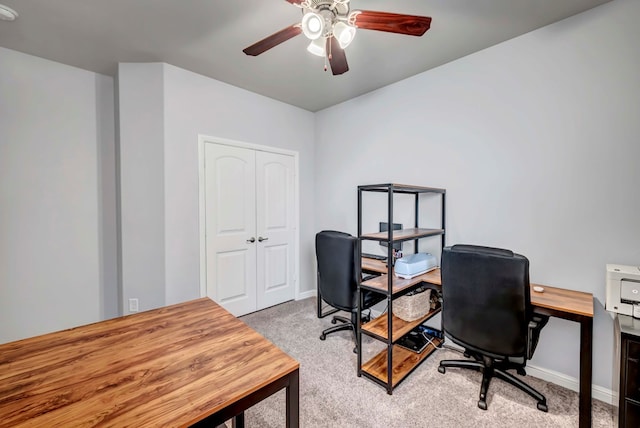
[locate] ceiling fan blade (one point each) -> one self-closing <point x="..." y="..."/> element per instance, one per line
<point x="392" y="22"/>
<point x="273" y="40"/>
<point x="337" y="57"/>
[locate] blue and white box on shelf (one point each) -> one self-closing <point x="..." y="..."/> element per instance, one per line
<point x="415" y="264"/>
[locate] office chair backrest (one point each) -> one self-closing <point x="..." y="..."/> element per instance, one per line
<point x="337" y="276"/>
<point x="486" y="299"/>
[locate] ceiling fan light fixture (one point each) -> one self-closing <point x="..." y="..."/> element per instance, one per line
<point x="344" y="33"/>
<point x="312" y="25"/>
<point x="317" y="47"/>
<point x="7" y="14"/>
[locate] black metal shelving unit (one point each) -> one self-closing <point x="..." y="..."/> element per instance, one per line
<point x="389" y="367"/>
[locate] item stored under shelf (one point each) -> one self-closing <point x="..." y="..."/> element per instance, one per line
<point x="413" y="305"/>
<point x="378" y="327"/>
<point x="419" y="338"/>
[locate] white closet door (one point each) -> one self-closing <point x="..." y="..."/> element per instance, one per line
<point x="275" y="195"/>
<point x="230" y="214"/>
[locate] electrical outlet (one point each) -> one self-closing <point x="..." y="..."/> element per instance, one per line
<point x="133" y="305"/>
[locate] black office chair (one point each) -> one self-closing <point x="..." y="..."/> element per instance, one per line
<point x="486" y="309"/>
<point x="338" y="261"/>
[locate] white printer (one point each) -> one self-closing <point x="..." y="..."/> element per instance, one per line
<point x="414" y="264"/>
<point x="623" y="289"/>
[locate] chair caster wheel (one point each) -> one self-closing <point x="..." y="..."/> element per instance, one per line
<point x="323" y="337"/>
<point x="543" y="407"/>
<point x="333" y="321"/>
<point x="482" y="405"/>
<point x="441" y="369"/>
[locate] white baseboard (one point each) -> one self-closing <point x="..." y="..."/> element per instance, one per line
<point x="561" y="379"/>
<point x="598" y="392"/>
<point x="306" y="294"/>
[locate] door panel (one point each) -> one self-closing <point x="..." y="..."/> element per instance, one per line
<point x="230" y="224"/>
<point x="275" y="174"/>
<point x="276" y="256"/>
<point x="231" y="281"/>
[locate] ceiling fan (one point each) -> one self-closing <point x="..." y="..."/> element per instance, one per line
<point x="331" y="25"/>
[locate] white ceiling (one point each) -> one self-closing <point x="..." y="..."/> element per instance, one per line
<point x="207" y="37"/>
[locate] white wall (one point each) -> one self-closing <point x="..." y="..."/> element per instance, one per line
<point x="107" y="197"/>
<point x="536" y="142"/>
<point x="56" y="143"/>
<point x="191" y="104"/>
<point x="141" y="172"/>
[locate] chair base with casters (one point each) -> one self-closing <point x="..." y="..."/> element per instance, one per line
<point x="346" y="324"/>
<point x="491" y="368"/>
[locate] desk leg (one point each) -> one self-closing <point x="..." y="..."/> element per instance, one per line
<point x="586" y="361"/>
<point x="293" y="400"/>
<point x="238" y="421"/>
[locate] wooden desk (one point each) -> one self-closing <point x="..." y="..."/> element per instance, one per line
<point x="173" y="366"/>
<point x="557" y="302"/>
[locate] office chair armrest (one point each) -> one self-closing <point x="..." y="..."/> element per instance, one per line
<point x="535" y="326"/>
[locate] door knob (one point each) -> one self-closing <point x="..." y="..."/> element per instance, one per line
<point x="260" y="239"/>
<point x="251" y="241"/>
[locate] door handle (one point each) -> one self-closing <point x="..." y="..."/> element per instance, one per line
<point x="251" y="241"/>
<point x="260" y="239"/>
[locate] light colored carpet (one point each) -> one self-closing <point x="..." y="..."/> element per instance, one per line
<point x="331" y="394"/>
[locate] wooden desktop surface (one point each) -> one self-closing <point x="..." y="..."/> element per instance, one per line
<point x="171" y="366"/>
<point x="557" y="299"/>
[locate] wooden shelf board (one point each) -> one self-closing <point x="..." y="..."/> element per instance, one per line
<point x="378" y="326"/>
<point x="404" y="361"/>
<point x="380" y="283"/>
<point x="400" y="188"/>
<point x="403" y="234"/>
